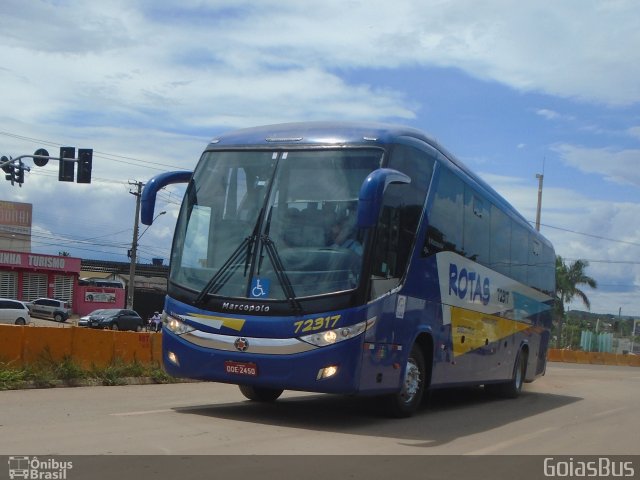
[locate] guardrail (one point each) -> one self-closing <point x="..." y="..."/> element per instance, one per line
<point x="24" y="345"/>
<point x="592" y="358"/>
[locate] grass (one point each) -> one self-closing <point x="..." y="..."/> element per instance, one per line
<point x="46" y="373"/>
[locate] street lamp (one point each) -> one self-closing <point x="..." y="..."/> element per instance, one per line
<point x="134" y="253"/>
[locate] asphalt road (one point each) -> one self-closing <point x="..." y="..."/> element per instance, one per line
<point x="574" y="409"/>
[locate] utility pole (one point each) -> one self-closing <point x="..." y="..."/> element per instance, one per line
<point x="134" y="245"/>
<point x="540" y="177"/>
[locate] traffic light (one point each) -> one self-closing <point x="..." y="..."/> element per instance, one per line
<point x="18" y="173"/>
<point x="67" y="167"/>
<point x="85" y="158"/>
<point x="9" y="169"/>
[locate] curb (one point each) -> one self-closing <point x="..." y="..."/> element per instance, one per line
<point x="98" y="382"/>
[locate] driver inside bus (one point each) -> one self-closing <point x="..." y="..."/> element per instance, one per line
<point x="343" y="235"/>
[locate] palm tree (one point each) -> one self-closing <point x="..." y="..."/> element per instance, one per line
<point x="568" y="278"/>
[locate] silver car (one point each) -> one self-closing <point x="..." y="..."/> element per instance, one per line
<point x="14" y="312"/>
<point x="50" y="308"/>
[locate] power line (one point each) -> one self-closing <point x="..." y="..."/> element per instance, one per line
<point x="635" y="244"/>
<point x="108" y="156"/>
<point x="621" y="262"/>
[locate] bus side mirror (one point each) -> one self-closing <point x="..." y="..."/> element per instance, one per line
<point x="148" y="200"/>
<point x="371" y="193"/>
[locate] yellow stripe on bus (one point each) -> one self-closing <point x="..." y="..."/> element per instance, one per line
<point x="472" y="330"/>
<point x="232" y="323"/>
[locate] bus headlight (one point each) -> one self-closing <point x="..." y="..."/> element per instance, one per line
<point x="330" y="337"/>
<point x="178" y="327"/>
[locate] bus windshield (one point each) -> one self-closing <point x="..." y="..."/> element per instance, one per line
<point x="272" y="225"/>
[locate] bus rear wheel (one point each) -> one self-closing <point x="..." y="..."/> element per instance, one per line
<point x="260" y="394"/>
<point x="513" y="387"/>
<point x="406" y="402"/>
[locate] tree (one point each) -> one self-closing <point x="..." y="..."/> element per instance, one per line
<point x="64" y="254"/>
<point x="568" y="279"/>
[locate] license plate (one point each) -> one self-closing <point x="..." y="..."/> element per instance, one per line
<point x="241" y="368"/>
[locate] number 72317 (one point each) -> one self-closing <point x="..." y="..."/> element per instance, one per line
<point x="315" y="324"/>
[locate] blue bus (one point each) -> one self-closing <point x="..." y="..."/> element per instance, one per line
<point x="350" y="258"/>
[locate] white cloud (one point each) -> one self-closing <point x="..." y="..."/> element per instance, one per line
<point x="142" y="60"/>
<point x="634" y="132"/>
<point x="553" y="115"/>
<point x="548" y="114"/>
<point x="619" y="166"/>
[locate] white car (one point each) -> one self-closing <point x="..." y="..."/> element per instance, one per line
<point x="14" y="312"/>
<point x="50" y="308"/>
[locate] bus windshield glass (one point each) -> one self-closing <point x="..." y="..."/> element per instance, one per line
<point x="272" y="225"/>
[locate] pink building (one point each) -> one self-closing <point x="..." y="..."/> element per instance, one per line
<point x="27" y="276"/>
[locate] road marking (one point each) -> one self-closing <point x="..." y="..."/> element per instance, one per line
<point x="511" y="442"/>
<point x="608" y="412"/>
<point x="143" y="412"/>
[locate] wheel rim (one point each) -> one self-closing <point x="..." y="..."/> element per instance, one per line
<point x="412" y="381"/>
<point x="114" y="326"/>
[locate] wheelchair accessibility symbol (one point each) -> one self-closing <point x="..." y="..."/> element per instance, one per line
<point x="260" y="287"/>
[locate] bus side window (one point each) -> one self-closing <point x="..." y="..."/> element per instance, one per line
<point x="500" y="252"/>
<point x="445" y="219"/>
<point x="477" y="227"/>
<point x="519" y="253"/>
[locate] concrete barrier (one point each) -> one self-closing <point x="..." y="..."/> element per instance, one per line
<point x="554" y="355"/>
<point x="569" y="356"/>
<point x="23" y="345"/>
<point x="88" y="348"/>
<point x="593" y="358"/>
<point x="92" y="348"/>
<point x="45" y="343"/>
<point x="11" y="341"/>
<point x="132" y="347"/>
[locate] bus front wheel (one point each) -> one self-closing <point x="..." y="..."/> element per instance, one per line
<point x="406" y="402"/>
<point x="260" y="394"/>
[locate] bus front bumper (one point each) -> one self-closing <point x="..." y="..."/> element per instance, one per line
<point x="288" y="364"/>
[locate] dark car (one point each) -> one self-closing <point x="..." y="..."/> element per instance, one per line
<point x="116" y="319"/>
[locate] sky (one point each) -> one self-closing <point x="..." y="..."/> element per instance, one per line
<point x="513" y="89"/>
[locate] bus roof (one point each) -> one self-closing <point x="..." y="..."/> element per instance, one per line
<point x="300" y="134"/>
<point x="317" y="133"/>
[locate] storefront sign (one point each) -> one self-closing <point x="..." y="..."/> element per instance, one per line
<point x="36" y="261"/>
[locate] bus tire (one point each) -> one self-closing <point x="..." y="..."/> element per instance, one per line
<point x="260" y="394"/>
<point x="513" y="387"/>
<point x="407" y="401"/>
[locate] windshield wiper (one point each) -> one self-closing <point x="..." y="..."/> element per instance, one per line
<point x="225" y="272"/>
<point x="230" y="266"/>
<point x="281" y="274"/>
